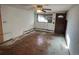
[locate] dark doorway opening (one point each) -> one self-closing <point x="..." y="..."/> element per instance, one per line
<point x="61" y="22"/>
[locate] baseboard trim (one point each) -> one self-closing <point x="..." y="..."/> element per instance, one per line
<point x="28" y="31"/>
<point x="25" y="32"/>
<point x="44" y="30"/>
<point x="5" y="41"/>
<point x="66" y="44"/>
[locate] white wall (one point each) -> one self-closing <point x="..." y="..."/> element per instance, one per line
<point x="43" y="25"/>
<point x="72" y="33"/>
<point x="16" y="21"/>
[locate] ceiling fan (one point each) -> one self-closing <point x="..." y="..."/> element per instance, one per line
<point x="40" y="8"/>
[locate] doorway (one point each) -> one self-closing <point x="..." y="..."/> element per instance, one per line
<point x="60" y="26"/>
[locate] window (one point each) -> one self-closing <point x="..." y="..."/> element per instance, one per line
<point x="45" y="18"/>
<point x="60" y="16"/>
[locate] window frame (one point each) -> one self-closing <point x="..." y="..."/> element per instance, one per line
<point x="47" y="20"/>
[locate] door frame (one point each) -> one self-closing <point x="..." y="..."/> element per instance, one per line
<point x="1" y="29"/>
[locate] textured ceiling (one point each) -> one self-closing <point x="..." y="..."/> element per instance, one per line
<point x="54" y="7"/>
<point x="59" y="7"/>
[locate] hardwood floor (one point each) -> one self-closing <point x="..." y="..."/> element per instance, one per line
<point x="36" y="43"/>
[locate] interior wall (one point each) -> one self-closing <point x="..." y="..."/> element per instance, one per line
<point x="44" y="25"/>
<point x="72" y="33"/>
<point x="16" y="21"/>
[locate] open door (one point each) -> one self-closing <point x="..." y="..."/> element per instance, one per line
<point x="1" y="30"/>
<point x="60" y="26"/>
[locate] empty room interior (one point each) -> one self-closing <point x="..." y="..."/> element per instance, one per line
<point x="39" y="29"/>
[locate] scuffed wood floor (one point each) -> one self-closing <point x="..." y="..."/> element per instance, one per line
<point x="36" y="43"/>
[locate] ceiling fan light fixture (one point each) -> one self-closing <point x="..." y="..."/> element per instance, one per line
<point x="39" y="11"/>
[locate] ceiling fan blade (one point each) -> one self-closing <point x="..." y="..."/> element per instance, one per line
<point x="43" y="10"/>
<point x="46" y="9"/>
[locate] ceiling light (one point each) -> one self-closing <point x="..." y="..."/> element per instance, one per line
<point x="39" y="11"/>
<point x="39" y="8"/>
